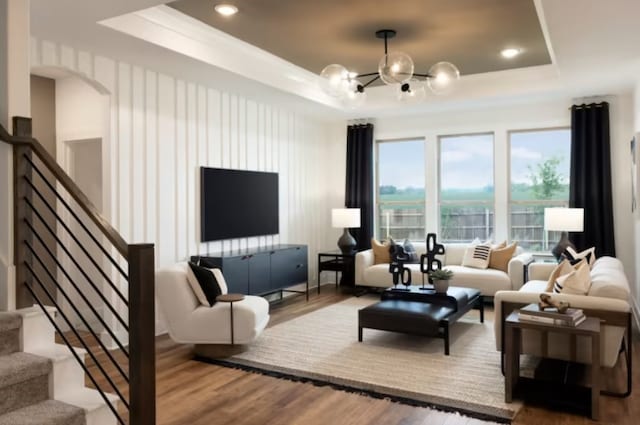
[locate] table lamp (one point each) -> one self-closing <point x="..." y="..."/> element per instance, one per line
<point x="563" y="220"/>
<point x="346" y="218"/>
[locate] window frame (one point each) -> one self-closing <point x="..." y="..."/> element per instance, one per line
<point x="510" y="201"/>
<point x="376" y="188"/>
<point x="439" y="199"/>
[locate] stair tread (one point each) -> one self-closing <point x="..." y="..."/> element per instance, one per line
<point x="48" y="412"/>
<point x="10" y="321"/>
<point x="20" y="367"/>
<point x="87" y="399"/>
<point x="36" y="310"/>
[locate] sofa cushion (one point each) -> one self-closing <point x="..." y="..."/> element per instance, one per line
<point x="609" y="280"/>
<point x="488" y="281"/>
<point x="501" y="256"/>
<point x="381" y="253"/>
<point x="477" y="256"/>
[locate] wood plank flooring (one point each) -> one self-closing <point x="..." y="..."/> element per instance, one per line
<point x="195" y="393"/>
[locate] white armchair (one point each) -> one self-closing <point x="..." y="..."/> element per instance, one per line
<point x="189" y="322"/>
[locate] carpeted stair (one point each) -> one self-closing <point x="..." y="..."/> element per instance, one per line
<point x="24" y="384"/>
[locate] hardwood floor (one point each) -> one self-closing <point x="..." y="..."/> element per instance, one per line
<point x="195" y="393"/>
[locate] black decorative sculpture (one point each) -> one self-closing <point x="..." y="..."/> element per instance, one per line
<point x="428" y="261"/>
<point x="400" y="274"/>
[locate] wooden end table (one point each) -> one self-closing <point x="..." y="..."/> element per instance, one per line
<point x="513" y="340"/>
<point x="230" y="298"/>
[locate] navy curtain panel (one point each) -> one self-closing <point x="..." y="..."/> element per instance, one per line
<point x="590" y="186"/>
<point x="359" y="182"/>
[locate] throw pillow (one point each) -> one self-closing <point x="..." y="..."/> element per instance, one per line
<point x="380" y="252"/>
<point x="410" y="251"/>
<point x="500" y="257"/>
<point x="203" y="278"/>
<point x="222" y="283"/>
<point x="477" y="256"/>
<point x="563" y="268"/>
<point x="578" y="282"/>
<point x="575" y="257"/>
<point x="500" y="245"/>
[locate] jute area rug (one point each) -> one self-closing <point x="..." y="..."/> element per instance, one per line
<point x="323" y="347"/>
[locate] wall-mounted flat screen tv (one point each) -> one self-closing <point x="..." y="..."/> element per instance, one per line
<point x="237" y="203"/>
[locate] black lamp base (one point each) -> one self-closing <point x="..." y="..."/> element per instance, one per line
<point x="346" y="243"/>
<point x="562" y="245"/>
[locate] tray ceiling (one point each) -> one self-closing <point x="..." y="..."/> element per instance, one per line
<point x="313" y="34"/>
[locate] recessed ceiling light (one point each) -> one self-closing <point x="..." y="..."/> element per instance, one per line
<point x="226" y="9"/>
<point x="510" y="53"/>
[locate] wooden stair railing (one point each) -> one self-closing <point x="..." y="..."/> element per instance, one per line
<point x="129" y="371"/>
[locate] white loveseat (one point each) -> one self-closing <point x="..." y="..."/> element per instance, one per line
<point x="608" y="299"/>
<point x="487" y="281"/>
<point x="189" y="322"/>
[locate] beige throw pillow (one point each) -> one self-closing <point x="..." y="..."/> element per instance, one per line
<point x="381" y="253"/>
<point x="477" y="256"/>
<point x="500" y="257"/>
<point x="563" y="268"/>
<point x="578" y="282"/>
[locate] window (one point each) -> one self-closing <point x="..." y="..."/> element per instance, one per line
<point x="466" y="187"/>
<point x="540" y="162"/>
<point x="401" y="195"/>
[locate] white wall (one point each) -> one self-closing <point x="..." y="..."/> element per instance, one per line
<point x="523" y="116"/>
<point x="14" y="101"/>
<point x="162" y="128"/>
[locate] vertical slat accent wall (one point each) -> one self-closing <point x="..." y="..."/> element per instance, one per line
<point x="162" y="128"/>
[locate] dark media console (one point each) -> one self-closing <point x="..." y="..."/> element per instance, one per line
<point x="261" y="271"/>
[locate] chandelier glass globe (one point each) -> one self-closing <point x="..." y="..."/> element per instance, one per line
<point x="443" y="77"/>
<point x="354" y="98"/>
<point x="395" y="67"/>
<point x="335" y="80"/>
<point x="411" y="92"/>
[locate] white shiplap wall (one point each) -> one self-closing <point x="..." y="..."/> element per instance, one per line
<point x="164" y="128"/>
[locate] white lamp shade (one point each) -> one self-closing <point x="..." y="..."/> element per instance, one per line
<point x="345" y="217"/>
<point x="564" y="219"/>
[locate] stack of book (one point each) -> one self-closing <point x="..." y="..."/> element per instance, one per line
<point x="532" y="313"/>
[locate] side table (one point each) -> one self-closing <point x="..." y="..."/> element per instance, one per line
<point x="230" y="298"/>
<point x="337" y="261"/>
<point x="513" y="339"/>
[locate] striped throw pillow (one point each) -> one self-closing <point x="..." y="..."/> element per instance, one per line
<point x="477" y="256"/>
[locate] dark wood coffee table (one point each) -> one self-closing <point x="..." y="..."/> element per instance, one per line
<point x="420" y="312"/>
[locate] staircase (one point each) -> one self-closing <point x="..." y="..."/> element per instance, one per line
<point x="100" y="287"/>
<point x="41" y="382"/>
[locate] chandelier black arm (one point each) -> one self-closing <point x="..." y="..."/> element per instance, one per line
<point x="371" y="81"/>
<point x="370" y="74"/>
<point x="423" y="75"/>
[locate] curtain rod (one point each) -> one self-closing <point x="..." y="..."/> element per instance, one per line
<point x="589" y="105"/>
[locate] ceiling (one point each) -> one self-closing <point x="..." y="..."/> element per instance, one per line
<point x="313" y="34"/>
<point x="592" y="44"/>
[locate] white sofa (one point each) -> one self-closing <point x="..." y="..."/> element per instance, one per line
<point x="607" y="299"/>
<point x="189" y="322"/>
<point x="487" y="281"/>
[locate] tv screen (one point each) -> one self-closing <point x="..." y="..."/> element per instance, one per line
<point x="237" y="204"/>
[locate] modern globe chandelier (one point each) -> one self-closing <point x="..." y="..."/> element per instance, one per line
<point x="394" y="68"/>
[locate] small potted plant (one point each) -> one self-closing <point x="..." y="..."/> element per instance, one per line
<point x="440" y="279"/>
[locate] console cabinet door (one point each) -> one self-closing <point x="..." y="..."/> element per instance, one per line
<point x="236" y="274"/>
<point x="288" y="267"/>
<point x="259" y="276"/>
